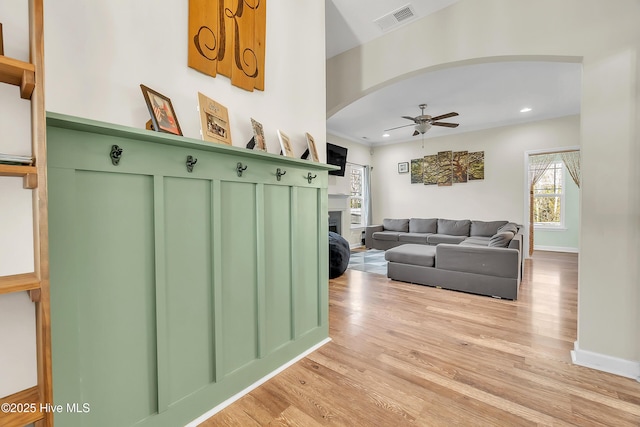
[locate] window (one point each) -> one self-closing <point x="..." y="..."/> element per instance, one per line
<point x="548" y="195"/>
<point x="356" y="195"/>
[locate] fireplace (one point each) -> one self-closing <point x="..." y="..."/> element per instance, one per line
<point x="335" y="221"/>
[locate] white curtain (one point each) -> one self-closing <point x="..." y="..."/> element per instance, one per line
<point x="538" y="165"/>
<point x="571" y="160"/>
<point x="366" y="194"/>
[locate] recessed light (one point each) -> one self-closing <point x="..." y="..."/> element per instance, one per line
<point x="525" y="110"/>
<point x="386" y="135"/>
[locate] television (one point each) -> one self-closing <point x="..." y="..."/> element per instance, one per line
<point x="337" y="156"/>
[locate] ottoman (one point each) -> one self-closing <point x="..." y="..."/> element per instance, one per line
<point x="412" y="254"/>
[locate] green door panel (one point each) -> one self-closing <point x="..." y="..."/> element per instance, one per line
<point x="239" y="262"/>
<point x="277" y="238"/>
<point x="188" y="254"/>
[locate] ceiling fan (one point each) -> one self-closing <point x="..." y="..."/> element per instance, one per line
<point x="423" y="123"/>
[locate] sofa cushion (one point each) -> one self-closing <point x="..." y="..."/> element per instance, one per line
<point x="453" y="227"/>
<point x="434" y="239"/>
<point x="501" y="240"/>
<point x="413" y="238"/>
<point x="510" y="226"/>
<point x="401" y="225"/>
<point x="485" y="228"/>
<point x="476" y="240"/>
<point x="421" y="225"/>
<point x="412" y="254"/>
<point x="390" y="236"/>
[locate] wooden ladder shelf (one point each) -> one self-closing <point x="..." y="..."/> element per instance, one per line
<point x="28" y="76"/>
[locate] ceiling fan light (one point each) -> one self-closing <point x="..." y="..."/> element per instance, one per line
<point x="423" y="127"/>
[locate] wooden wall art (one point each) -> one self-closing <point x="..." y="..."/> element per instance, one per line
<point x="228" y="37"/>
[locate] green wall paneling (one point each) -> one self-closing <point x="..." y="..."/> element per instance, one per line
<point x="189" y="305"/>
<point x="305" y="246"/>
<point x="239" y="275"/>
<point x="278" y="295"/>
<point x="172" y="291"/>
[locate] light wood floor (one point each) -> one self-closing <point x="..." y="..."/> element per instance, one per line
<point x="407" y="354"/>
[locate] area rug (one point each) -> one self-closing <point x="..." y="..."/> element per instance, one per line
<point x="371" y="261"/>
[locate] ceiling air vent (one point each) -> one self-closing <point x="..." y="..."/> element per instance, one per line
<point x="396" y="17"/>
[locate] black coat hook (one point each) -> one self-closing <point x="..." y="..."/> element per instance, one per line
<point x="116" y="154"/>
<point x="240" y="168"/>
<point x="190" y="162"/>
<point x="310" y="177"/>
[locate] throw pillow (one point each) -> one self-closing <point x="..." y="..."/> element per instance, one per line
<point x="501" y="240"/>
<point x="508" y="227"/>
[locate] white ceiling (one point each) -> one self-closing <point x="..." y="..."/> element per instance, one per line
<point x="485" y="95"/>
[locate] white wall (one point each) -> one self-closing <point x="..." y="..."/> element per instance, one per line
<point x="500" y="196"/>
<point x="96" y="56"/>
<point x="605" y="37"/>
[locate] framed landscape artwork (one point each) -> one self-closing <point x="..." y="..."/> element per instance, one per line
<point x="285" y="144"/>
<point x="416" y="171"/>
<point x="214" y="120"/>
<point x="447" y="168"/>
<point x="313" y="150"/>
<point x="163" y="117"/>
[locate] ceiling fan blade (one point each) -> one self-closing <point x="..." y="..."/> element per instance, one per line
<point x="413" y="119"/>
<point x="415" y="132"/>
<point x="447" y="125"/>
<point x="404" y="126"/>
<point x="444" y="116"/>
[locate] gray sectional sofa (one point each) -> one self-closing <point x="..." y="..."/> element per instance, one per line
<point x="482" y="257"/>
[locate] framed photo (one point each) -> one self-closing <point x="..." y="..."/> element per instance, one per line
<point x="285" y="144"/>
<point x="313" y="150"/>
<point x="163" y="117"/>
<point x="214" y="120"/>
<point x="403" y="167"/>
<point x="258" y="135"/>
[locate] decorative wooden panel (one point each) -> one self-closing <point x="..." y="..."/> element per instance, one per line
<point x="228" y="37"/>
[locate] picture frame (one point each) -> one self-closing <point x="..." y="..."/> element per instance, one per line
<point x="285" y="144"/>
<point x="258" y="135"/>
<point x="163" y="116"/>
<point x="214" y="120"/>
<point x="403" y="167"/>
<point x="311" y="146"/>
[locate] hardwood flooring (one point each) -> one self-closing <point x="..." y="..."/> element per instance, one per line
<point x="406" y="354"/>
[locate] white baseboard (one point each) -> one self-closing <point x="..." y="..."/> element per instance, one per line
<point x="602" y="362"/>
<point x="556" y="249"/>
<point x="255" y="385"/>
